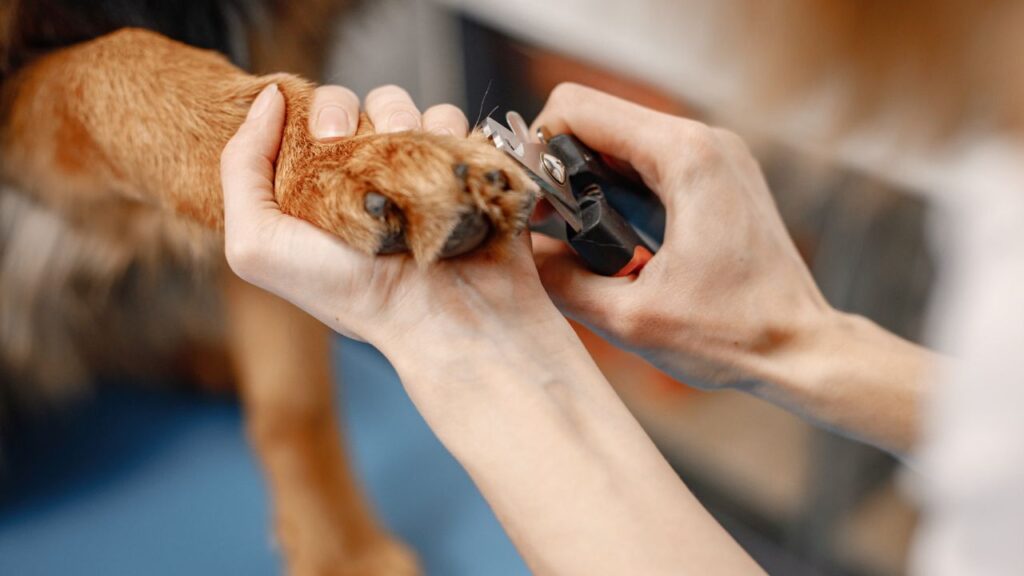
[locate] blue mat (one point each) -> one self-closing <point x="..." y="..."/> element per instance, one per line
<point x="141" y="482"/>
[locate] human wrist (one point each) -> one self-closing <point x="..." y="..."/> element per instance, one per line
<point x="810" y="355"/>
<point x="454" y="372"/>
<point x="459" y="349"/>
<point x="543" y="435"/>
<point x="850" y="374"/>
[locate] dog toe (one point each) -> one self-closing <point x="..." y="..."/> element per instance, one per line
<point x="471" y="231"/>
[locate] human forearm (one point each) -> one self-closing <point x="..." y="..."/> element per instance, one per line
<point x="851" y="375"/>
<point x="576" y="482"/>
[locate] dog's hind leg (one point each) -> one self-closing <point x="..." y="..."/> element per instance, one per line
<point x="282" y="361"/>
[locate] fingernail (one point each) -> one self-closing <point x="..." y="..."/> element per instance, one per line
<point x="401" y="121"/>
<point x="331" y="122"/>
<point x="262" y="102"/>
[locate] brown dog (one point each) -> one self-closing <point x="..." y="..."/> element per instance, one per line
<point x="109" y="236"/>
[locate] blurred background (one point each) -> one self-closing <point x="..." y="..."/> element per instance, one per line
<point x="135" y="481"/>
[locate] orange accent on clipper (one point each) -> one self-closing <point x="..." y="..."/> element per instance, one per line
<point x="641" y="255"/>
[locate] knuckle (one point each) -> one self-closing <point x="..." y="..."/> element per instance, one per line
<point x="730" y="139"/>
<point x="327" y="95"/>
<point x="447" y="110"/>
<point x="632" y="323"/>
<point x="624" y="321"/>
<point x="699" y="134"/>
<point x="242" y="255"/>
<point x="563" y="103"/>
<point x="445" y="114"/>
<point x="386" y="93"/>
<point x="566" y="92"/>
<point x="700" y="143"/>
<point x="246" y="249"/>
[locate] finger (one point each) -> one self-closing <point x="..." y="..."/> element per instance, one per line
<point x="545" y="247"/>
<point x="445" y="119"/>
<point x="247" y="179"/>
<point x="578" y="292"/>
<point x="613" y="126"/>
<point x="247" y="162"/>
<point x="334" y="113"/>
<point x="391" y="109"/>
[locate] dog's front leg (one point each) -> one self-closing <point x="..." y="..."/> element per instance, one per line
<point x="133" y="116"/>
<point x="282" y="361"/>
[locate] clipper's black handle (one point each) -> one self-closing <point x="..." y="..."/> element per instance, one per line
<point x="607" y="242"/>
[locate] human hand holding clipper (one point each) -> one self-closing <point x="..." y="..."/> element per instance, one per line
<point x="727" y="301"/>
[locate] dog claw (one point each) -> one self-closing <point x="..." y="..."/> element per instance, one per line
<point x="471" y="231"/>
<point x="380" y="207"/>
<point x="498" y="179"/>
<point x="376" y="204"/>
<point x="393" y="243"/>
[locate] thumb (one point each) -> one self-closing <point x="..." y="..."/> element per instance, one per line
<point x="612" y="126"/>
<point x="247" y="162"/>
<point x="247" y="181"/>
<point x="581" y="294"/>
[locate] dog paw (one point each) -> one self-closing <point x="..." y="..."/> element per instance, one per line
<point x="435" y="196"/>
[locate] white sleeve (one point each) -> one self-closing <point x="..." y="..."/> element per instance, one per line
<point x="973" y="455"/>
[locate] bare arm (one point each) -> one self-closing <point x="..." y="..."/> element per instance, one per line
<point x="852" y="376"/>
<point x="575" y="481"/>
